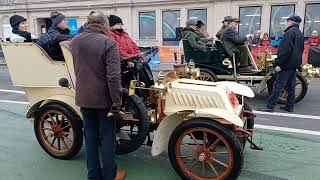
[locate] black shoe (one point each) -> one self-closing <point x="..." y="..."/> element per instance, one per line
<point x="266" y="109"/>
<point x="285" y="108"/>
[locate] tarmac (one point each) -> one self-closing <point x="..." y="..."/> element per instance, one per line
<point x="286" y="156"/>
<point x="291" y="145"/>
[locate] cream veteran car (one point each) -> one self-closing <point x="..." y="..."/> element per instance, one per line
<point x="202" y="125"/>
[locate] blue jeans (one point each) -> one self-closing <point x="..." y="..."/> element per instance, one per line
<point x="285" y="78"/>
<point x="98" y="127"/>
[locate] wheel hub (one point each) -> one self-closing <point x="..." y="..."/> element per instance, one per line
<point x="57" y="131"/>
<point x="202" y="157"/>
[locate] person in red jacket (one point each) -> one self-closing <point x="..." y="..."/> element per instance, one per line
<point x="314" y="39"/>
<point x="266" y="40"/>
<point x="127" y="47"/>
<point x="129" y="51"/>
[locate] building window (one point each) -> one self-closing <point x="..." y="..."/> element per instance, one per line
<point x="199" y="14"/>
<point x="147" y="25"/>
<point x="312" y="19"/>
<point x="250" y="20"/>
<point x="278" y="22"/>
<point x="170" y="21"/>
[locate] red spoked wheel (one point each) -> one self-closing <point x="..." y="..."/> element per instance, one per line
<point x="58" y="131"/>
<point x="202" y="149"/>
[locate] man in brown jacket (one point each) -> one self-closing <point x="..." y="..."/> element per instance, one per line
<point x="98" y="91"/>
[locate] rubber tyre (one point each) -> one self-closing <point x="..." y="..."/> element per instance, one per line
<point x="75" y="122"/>
<point x="205" y="123"/>
<point x="144" y="125"/>
<point x="208" y="73"/>
<point x="303" y="92"/>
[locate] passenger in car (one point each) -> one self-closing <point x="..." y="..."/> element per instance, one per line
<point x="57" y="33"/>
<point x="20" y="32"/>
<point x="189" y="33"/>
<point x="203" y="34"/>
<point x="224" y="25"/>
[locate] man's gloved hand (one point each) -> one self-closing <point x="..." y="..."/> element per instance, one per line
<point x="278" y="69"/>
<point x="130" y="64"/>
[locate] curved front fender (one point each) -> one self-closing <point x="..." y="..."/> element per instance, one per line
<point x="165" y="129"/>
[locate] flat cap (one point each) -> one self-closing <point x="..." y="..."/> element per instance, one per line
<point x="191" y="22"/>
<point x="227" y="18"/>
<point x="234" y="19"/>
<point x="296" y="19"/>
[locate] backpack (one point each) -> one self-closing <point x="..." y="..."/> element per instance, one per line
<point x="43" y="41"/>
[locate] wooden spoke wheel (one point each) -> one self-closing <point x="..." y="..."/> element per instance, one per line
<point x="132" y="124"/>
<point x="58" y="131"/>
<point x="215" y="155"/>
<point x="207" y="75"/>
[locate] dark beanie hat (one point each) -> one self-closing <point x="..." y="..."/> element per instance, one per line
<point x="113" y="20"/>
<point x="56" y="18"/>
<point x="15" y="20"/>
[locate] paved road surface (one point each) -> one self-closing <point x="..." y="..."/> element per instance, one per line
<point x="291" y="145"/>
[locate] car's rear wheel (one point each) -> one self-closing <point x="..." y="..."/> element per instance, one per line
<point x="300" y="89"/>
<point x="207" y="75"/>
<point x="58" y="131"/>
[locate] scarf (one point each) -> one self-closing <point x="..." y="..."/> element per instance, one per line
<point x="26" y="35"/>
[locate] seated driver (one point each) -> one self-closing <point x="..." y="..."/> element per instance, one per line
<point x="233" y="41"/>
<point x="127" y="47"/>
<point x="189" y="33"/>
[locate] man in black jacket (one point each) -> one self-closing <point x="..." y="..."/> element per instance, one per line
<point x="58" y="32"/>
<point x="289" y="59"/>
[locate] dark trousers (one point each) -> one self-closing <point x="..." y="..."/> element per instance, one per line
<point x="98" y="127"/>
<point x="285" y="78"/>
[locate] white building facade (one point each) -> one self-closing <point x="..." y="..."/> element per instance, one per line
<point x="154" y="22"/>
